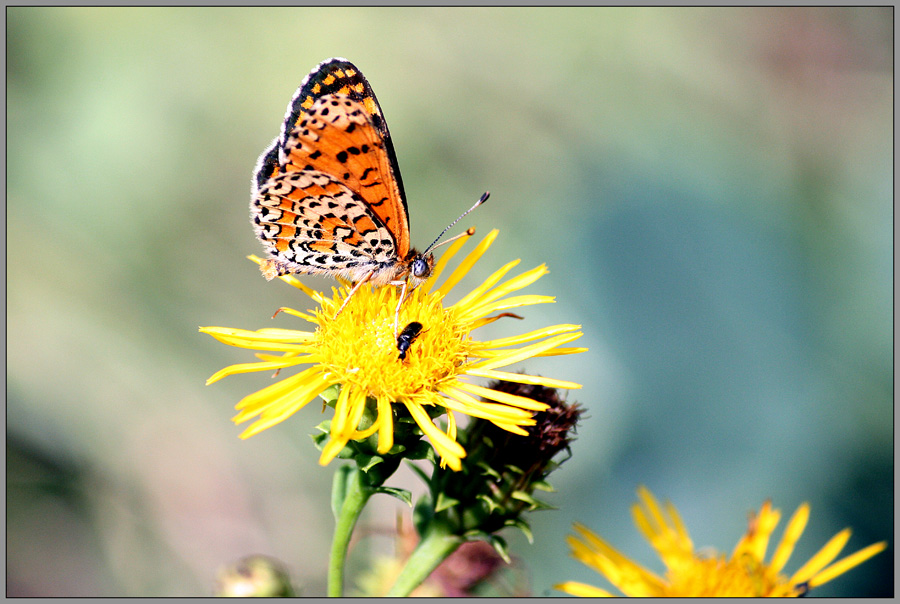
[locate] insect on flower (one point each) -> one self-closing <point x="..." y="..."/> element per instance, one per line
<point x="406" y="338"/>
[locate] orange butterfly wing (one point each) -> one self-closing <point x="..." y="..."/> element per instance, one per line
<point x="336" y="136"/>
<point x="333" y="130"/>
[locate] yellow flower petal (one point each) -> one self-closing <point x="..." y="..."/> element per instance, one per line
<point x="521" y="378"/>
<point x="475" y="312"/>
<point x="467" y="263"/>
<point x="845" y="564"/>
<point x="385" y="425"/>
<point x="487" y="284"/>
<point x="488" y="411"/>
<point x="711" y="574"/>
<point x="530" y="336"/>
<point x="555" y="352"/>
<point x="792" y="533"/>
<point x="582" y="590"/>
<point x="283" y="340"/>
<point x="515" y="356"/>
<point x="449" y="450"/>
<point x="502" y="397"/>
<point x="822" y="558"/>
<point x="271" y="394"/>
<point x="442" y="263"/>
<point x="287" y="407"/>
<point x="251" y="367"/>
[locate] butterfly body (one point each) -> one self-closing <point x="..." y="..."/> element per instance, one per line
<point x="327" y="193"/>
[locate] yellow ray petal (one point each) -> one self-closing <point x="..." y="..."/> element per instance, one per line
<point x="488" y="283"/>
<point x="299" y="400"/>
<point x="507" y="287"/>
<point x="822" y="558"/>
<point x="490" y="411"/>
<point x="845" y="564"/>
<point x="520" y="354"/>
<point x="561" y="351"/>
<point x="338" y="424"/>
<point x="450" y="450"/>
<point x="278" y="389"/>
<point x="477" y="311"/>
<point x="273" y="339"/>
<point x="515" y="429"/>
<point x="468" y="263"/>
<point x="537" y="334"/>
<point x="521" y="378"/>
<point x="251" y="367"/>
<point x="296" y="313"/>
<point x="792" y="533"/>
<point x="582" y="590"/>
<point x="502" y="397"/>
<point x="442" y="262"/>
<point x="330" y="450"/>
<point x="385" y="425"/>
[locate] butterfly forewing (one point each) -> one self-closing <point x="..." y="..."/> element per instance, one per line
<point x="336" y="136"/>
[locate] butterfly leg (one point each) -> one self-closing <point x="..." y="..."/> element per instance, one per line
<point x="399" y="304"/>
<point x="354" y="290"/>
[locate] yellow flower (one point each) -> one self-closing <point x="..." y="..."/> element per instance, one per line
<point x="691" y="574"/>
<point x="357" y="349"/>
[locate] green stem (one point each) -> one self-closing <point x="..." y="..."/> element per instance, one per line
<point x="349" y="488"/>
<point x="436" y="545"/>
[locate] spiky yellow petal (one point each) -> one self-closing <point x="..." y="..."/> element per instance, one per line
<point x="690" y="574"/>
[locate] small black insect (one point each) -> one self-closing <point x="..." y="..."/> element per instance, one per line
<point x="406" y="337"/>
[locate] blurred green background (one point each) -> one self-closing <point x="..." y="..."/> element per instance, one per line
<point x="711" y="188"/>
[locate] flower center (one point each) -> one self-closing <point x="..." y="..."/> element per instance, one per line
<point x="716" y="576"/>
<point x="360" y="346"/>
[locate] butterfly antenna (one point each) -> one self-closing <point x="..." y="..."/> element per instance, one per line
<point x="480" y="201"/>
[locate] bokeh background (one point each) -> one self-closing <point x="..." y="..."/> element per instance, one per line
<point x="711" y="188"/>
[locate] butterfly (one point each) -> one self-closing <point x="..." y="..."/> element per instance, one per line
<point x="407" y="337"/>
<point x="327" y="197"/>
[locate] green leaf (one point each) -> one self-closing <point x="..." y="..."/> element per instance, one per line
<point x="431" y="455"/>
<point x="365" y="462"/>
<point x="523" y="496"/>
<point x="319" y="440"/>
<point x="423" y="514"/>
<point x="420" y="472"/>
<point x="522" y="526"/>
<point x="330" y="394"/>
<point x="499" y="545"/>
<point x="492" y="505"/>
<point x="484" y="467"/>
<point x="420" y="450"/>
<point x="543" y="485"/>
<point x="401" y="494"/>
<point x="444" y="502"/>
<point x="514" y="470"/>
<point x="339" y="489"/>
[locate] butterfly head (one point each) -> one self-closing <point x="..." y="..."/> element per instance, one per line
<point x="420" y="265"/>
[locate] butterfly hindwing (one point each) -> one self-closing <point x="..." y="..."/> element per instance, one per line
<point x="311" y="222"/>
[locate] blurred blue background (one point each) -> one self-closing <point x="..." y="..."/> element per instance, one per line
<point x="712" y="189"/>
